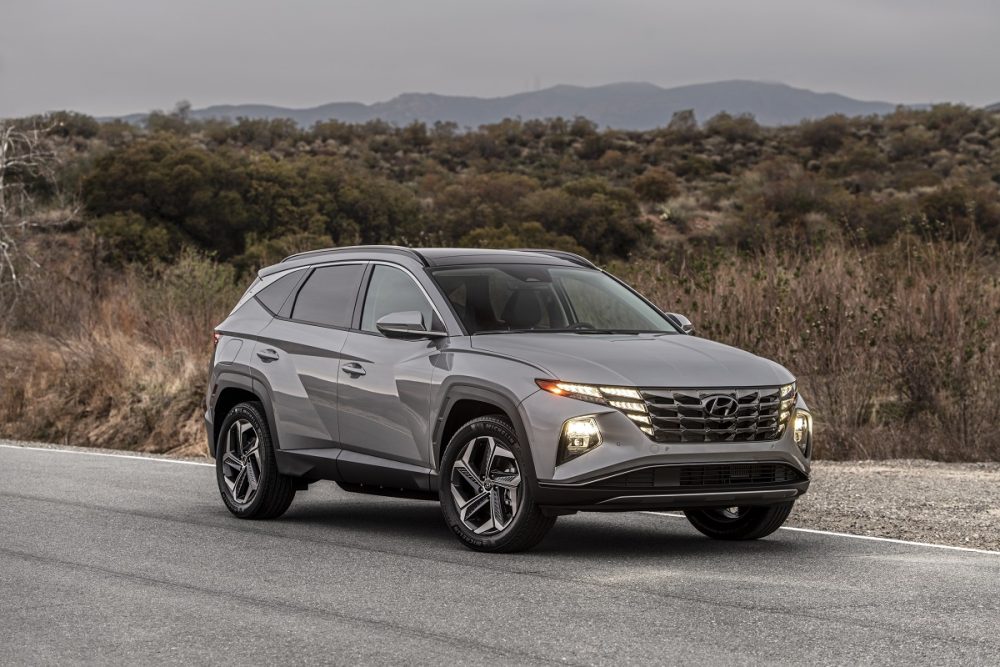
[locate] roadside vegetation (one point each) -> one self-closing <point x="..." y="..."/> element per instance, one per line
<point x="859" y="252"/>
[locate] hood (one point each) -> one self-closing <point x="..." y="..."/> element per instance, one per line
<point x="644" y="360"/>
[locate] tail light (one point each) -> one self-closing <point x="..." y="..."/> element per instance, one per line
<point x="215" y="338"/>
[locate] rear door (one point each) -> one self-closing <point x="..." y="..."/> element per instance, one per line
<point x="384" y="382"/>
<point x="297" y="355"/>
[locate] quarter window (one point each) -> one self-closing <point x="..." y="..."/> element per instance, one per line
<point x="329" y="295"/>
<point x="273" y="296"/>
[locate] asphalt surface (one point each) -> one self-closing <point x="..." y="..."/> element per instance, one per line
<point x="119" y="560"/>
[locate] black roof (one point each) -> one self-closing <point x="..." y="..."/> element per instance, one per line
<point x="438" y="256"/>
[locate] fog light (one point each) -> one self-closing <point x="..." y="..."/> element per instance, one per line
<point x="579" y="436"/>
<point x="802" y="430"/>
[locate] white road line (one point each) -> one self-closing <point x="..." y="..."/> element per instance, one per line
<point x="670" y="514"/>
<point x="861" y="537"/>
<point x="114" y="456"/>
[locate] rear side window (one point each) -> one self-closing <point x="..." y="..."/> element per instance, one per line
<point x="273" y="296"/>
<point x="328" y="295"/>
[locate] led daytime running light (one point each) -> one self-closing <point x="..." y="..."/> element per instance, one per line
<point x="634" y="409"/>
<point x="621" y="392"/>
<point x="628" y="405"/>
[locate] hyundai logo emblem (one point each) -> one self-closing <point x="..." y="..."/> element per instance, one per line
<point x="720" y="406"/>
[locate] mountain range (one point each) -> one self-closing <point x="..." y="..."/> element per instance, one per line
<point x="629" y="106"/>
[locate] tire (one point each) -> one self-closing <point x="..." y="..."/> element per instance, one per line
<point x="745" y="523"/>
<point x="486" y="468"/>
<point x="245" y="445"/>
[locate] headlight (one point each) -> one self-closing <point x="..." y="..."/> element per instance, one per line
<point x="579" y="436"/>
<point x="802" y="430"/>
<point x="626" y="400"/>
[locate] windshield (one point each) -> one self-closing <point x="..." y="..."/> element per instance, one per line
<point x="508" y="298"/>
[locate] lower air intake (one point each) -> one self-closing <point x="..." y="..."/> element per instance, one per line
<point x="707" y="476"/>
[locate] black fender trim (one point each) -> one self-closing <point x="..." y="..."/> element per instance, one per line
<point x="459" y="390"/>
<point x="231" y="380"/>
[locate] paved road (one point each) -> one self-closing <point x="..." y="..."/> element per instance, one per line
<point x="116" y="560"/>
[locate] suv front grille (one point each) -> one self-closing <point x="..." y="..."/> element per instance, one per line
<point x="717" y="415"/>
<point x="705" y="476"/>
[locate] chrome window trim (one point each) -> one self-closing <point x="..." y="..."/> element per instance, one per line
<point x="311" y="268"/>
<point x="261" y="283"/>
<point x="422" y="289"/>
<point x="364" y="290"/>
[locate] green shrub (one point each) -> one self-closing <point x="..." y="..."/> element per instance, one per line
<point x="656" y="184"/>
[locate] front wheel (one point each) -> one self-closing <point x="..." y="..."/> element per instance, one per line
<point x="485" y="488"/>
<point x="739" y="523"/>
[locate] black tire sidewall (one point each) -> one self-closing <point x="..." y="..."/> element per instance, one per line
<point x="759" y="521"/>
<point x="254" y="413"/>
<point x="528" y="514"/>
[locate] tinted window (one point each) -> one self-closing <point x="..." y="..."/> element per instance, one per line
<point x="523" y="297"/>
<point x="328" y="295"/>
<point x="392" y="290"/>
<point x="274" y="295"/>
<point x="601" y="302"/>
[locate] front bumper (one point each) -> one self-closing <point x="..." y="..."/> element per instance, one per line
<point x="599" y="496"/>
<point x="630" y="471"/>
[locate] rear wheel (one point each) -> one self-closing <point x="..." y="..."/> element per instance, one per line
<point x="739" y="523"/>
<point x="486" y="488"/>
<point x="245" y="466"/>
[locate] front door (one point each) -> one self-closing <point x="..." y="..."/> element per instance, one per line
<point x="384" y="397"/>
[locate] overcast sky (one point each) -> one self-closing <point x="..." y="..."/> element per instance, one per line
<point x="120" y="56"/>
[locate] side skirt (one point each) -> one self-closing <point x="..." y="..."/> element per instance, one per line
<point x="357" y="472"/>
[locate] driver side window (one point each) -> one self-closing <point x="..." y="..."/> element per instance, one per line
<point x="392" y="290"/>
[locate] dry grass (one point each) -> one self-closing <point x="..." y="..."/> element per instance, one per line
<point x="116" y="361"/>
<point x="102" y="391"/>
<point x="895" y="349"/>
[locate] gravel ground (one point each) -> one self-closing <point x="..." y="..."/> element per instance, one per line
<point x="924" y="501"/>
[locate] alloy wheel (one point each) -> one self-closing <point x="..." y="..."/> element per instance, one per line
<point x="241" y="464"/>
<point x="730" y="513"/>
<point x="486" y="486"/>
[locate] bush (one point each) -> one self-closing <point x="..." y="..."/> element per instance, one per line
<point x="825" y="135"/>
<point x="742" y="127"/>
<point x="183" y="301"/>
<point x="656" y="184"/>
<point x="128" y="237"/>
<point x="520" y="235"/>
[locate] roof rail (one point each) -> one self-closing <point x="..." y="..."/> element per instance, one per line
<point x="563" y="254"/>
<point x="402" y="250"/>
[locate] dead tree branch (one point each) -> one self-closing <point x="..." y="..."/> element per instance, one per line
<point x="28" y="161"/>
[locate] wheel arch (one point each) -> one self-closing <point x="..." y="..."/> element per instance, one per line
<point x="466" y="402"/>
<point x="233" y="389"/>
<point x="229" y="397"/>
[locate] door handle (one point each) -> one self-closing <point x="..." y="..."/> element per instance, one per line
<point x="268" y="355"/>
<point x="354" y="369"/>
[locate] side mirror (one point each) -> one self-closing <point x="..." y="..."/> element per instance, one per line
<point x="683" y="323"/>
<point x="405" y="324"/>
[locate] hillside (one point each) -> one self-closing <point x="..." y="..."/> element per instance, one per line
<point x="627" y="106"/>
<point x="841" y="248"/>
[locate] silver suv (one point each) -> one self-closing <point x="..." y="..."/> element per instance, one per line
<point x="512" y="386"/>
